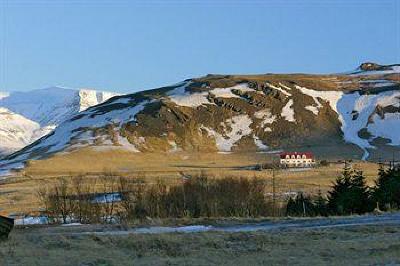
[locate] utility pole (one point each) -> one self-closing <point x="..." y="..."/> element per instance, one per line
<point x="392" y="163"/>
<point x="273" y="194"/>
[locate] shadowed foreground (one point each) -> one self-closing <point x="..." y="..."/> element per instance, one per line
<point x="361" y="244"/>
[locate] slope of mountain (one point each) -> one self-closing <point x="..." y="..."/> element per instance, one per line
<point x="358" y="111"/>
<point x="27" y="116"/>
<point x="16" y="130"/>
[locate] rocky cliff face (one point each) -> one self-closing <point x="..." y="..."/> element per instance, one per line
<point x="234" y="113"/>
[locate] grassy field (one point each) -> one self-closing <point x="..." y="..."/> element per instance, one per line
<point x="363" y="245"/>
<point x="18" y="193"/>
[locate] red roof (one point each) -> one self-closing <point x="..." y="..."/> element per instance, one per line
<point x="309" y="155"/>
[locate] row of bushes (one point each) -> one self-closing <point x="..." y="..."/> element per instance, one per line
<point x="72" y="199"/>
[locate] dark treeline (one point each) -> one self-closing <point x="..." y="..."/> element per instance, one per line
<point x="351" y="195"/>
<point x="93" y="200"/>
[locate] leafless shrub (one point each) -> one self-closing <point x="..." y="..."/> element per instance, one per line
<point x="92" y="200"/>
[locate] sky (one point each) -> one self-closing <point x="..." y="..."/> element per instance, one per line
<point x="127" y="46"/>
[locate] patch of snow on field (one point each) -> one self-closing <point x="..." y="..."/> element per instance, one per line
<point x="288" y="111"/>
<point x="31" y="220"/>
<point x="107" y="198"/>
<point x="71" y="224"/>
<point x="388" y="127"/>
<point x="234" y="129"/>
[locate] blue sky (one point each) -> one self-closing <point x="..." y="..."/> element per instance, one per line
<point x="127" y="46"/>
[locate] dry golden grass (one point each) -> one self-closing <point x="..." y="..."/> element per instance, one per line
<point x="120" y="161"/>
<point x="18" y="194"/>
<point x="363" y="245"/>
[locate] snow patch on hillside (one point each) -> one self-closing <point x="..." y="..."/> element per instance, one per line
<point x="288" y="111"/>
<point x="182" y="97"/>
<point x="16" y="131"/>
<point x="126" y="145"/>
<point x="279" y="89"/>
<point x="355" y="110"/>
<point x="332" y="97"/>
<point x="313" y="109"/>
<point x="234" y="129"/>
<point x="388" y="127"/>
<point x="267" y="118"/>
<point x="228" y="92"/>
<point x="90" y="98"/>
<point x="224" y="93"/>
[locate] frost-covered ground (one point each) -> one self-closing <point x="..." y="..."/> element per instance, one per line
<point x="347" y="245"/>
<point x="269" y="225"/>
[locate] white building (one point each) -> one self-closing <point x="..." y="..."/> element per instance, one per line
<point x="297" y="159"/>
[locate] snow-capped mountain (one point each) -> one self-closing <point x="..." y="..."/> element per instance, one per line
<point x="27" y="116"/>
<point x="348" y="115"/>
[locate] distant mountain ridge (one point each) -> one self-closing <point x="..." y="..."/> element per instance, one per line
<point x="353" y="115"/>
<point x="27" y="116"/>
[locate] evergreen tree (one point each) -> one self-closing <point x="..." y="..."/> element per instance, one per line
<point x="387" y="188"/>
<point x="360" y="196"/>
<point x="339" y="195"/>
<point x="349" y="193"/>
